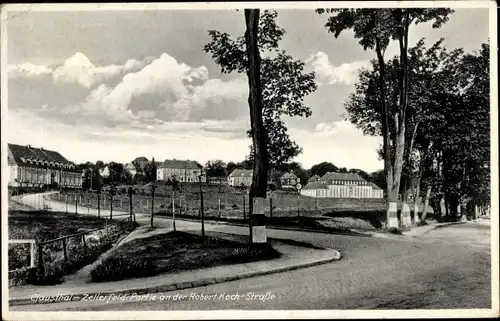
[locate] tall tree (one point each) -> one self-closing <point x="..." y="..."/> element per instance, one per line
<point x="258" y="190"/>
<point x="322" y="168"/>
<point x="283" y="82"/>
<point x="216" y="168"/>
<point x="376" y="28"/>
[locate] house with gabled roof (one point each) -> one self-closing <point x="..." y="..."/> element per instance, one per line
<point x="240" y="177"/>
<point x="314" y="178"/>
<point x="37" y="167"/>
<point x="188" y="171"/>
<point x="288" y="181"/>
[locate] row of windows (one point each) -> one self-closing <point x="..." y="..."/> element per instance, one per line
<point x="338" y="182"/>
<point x="42" y="175"/>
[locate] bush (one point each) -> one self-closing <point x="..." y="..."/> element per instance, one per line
<point x="235" y="207"/>
<point x="116" y="268"/>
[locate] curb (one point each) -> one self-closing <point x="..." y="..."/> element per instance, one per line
<point x="172" y="286"/>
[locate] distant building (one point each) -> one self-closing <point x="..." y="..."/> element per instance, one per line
<point x="131" y="168"/>
<point x="342" y="185"/>
<point x="288" y="181"/>
<point x="313" y="178"/>
<point x="240" y="177"/>
<point x="315" y="189"/>
<point x="38" y="167"/>
<point x="181" y="170"/>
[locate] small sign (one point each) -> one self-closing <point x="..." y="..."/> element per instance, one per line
<point x="298" y="186"/>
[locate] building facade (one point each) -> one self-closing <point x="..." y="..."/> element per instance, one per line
<point x="39" y="167"/>
<point x="182" y="170"/>
<point x="288" y="181"/>
<point x="240" y="177"/>
<point x="342" y="185"/>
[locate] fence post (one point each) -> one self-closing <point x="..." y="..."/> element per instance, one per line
<point x="64" y="250"/>
<point x="84" y="243"/>
<point x="219" y="209"/>
<point x="270" y="207"/>
<point x="244" y="213"/>
<point x="40" y="259"/>
<point x="32" y="254"/>
<point x="76" y="206"/>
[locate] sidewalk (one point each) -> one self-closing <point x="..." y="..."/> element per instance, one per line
<point x="293" y="257"/>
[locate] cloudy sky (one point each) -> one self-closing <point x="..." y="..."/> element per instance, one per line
<point x="114" y="85"/>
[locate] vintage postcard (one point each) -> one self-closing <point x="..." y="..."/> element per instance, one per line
<point x="249" y="160"/>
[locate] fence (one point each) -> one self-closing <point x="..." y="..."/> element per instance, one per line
<point x="217" y="203"/>
<point x="82" y="237"/>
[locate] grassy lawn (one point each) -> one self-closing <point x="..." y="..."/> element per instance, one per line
<point x="173" y="252"/>
<point x="226" y="203"/>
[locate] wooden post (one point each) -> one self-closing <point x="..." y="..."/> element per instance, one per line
<point x="84" y="244"/>
<point x="98" y="205"/>
<point x="173" y="210"/>
<point x="271" y="207"/>
<point x="40" y="259"/>
<point x="219" y="209"/>
<point x="111" y="207"/>
<point x="202" y="212"/>
<point x="65" y="250"/>
<point x="32" y="254"/>
<point x="244" y="213"/>
<point x="298" y="205"/>
<point x="76" y="206"/>
<point x="66" y="201"/>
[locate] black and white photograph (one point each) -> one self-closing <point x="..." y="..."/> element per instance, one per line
<point x="249" y="160"/>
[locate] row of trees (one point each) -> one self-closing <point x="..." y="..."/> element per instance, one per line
<point x="430" y="105"/>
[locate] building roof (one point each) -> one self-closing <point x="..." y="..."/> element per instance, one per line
<point x="374" y="186"/>
<point x="241" y="173"/>
<point x="182" y="164"/>
<point x="315" y="185"/>
<point x="38" y="157"/>
<point x="342" y="177"/>
<point x="314" y="178"/>
<point x="288" y="176"/>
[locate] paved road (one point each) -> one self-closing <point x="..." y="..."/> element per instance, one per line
<point x="374" y="273"/>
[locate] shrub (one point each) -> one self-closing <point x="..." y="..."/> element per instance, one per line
<point x="116" y="268"/>
<point x="235" y="207"/>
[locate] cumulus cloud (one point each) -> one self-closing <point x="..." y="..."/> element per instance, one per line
<point x="328" y="74"/>
<point x="214" y="99"/>
<point x="163" y="74"/>
<point x="28" y="70"/>
<point x="79" y="69"/>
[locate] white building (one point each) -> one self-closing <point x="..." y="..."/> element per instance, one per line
<point x="181" y="170"/>
<point x="39" y="167"/>
<point x="342" y="185"/>
<point x="240" y="177"/>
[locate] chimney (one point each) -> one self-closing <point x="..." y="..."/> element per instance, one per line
<point x="29" y="146"/>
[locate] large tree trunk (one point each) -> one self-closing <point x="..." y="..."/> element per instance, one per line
<point x="258" y="189"/>
<point x="391" y="202"/>
<point x="400" y="142"/>
<point x="426" y="204"/>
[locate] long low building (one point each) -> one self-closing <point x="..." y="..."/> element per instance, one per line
<point x="39" y="167"/>
<point x="342" y="185"/>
